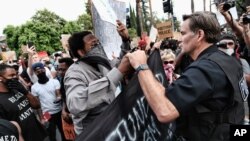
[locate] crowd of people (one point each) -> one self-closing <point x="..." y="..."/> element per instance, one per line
<point x="207" y="70"/>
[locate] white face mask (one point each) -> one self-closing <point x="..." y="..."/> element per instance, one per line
<point x="228" y="51"/>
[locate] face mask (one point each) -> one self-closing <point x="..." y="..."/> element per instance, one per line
<point x="8" y="81"/>
<point x="97" y="50"/>
<point x="42" y="78"/>
<point x="228" y="51"/>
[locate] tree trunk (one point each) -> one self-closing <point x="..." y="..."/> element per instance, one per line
<point x="151" y="13"/>
<point x="139" y="17"/>
<point x="204" y="5"/>
<point x="192" y="6"/>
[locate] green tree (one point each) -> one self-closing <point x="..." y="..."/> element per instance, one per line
<point x="71" y="27"/>
<point x="49" y="17"/>
<point x="85" y="22"/>
<point x="11" y="33"/>
<point x="132" y="18"/>
<point x="45" y="37"/>
<point x="132" y="33"/>
<point x="43" y="30"/>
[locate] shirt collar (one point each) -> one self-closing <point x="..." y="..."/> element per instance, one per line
<point x="208" y="50"/>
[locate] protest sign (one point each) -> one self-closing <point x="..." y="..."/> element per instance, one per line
<point x="105" y="29"/>
<point x="164" y="30"/>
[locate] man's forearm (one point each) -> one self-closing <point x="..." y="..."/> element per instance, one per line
<point x="34" y="102"/>
<point x="238" y="30"/>
<point x="155" y="95"/>
<point x="246" y="36"/>
<point x="30" y="61"/>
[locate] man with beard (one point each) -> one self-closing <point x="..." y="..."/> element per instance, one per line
<point x="92" y="81"/>
<point x="48" y="92"/>
<point x="16" y="104"/>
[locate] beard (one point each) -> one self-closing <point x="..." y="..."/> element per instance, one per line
<point x="42" y="78"/>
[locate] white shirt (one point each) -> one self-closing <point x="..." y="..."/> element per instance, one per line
<point x="47" y="95"/>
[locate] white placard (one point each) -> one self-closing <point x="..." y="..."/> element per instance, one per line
<point x="153" y="33"/>
<point x="221" y="18"/>
<point x="105" y="11"/>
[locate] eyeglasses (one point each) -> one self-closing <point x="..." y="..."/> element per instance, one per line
<point x="168" y="62"/>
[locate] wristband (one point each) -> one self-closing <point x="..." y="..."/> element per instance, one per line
<point x="142" y="67"/>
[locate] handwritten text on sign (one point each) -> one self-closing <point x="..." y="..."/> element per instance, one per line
<point x="165" y="30"/>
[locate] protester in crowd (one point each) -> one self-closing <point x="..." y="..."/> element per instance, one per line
<point x="52" y="69"/>
<point x="64" y="64"/>
<point x="34" y="58"/>
<point x="48" y="92"/>
<point x="168" y="58"/>
<point x="10" y="131"/>
<point x="57" y="56"/>
<point x="204" y="107"/>
<point x="16" y="105"/>
<point x="92" y="81"/>
<point x="228" y="44"/>
<point x="241" y="29"/>
<point x="23" y="75"/>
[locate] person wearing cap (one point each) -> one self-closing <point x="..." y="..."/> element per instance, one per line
<point x="48" y="92"/>
<point x="34" y="58"/>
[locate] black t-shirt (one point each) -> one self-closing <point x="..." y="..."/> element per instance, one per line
<point x="16" y="107"/>
<point x="202" y="82"/>
<point x="8" y="131"/>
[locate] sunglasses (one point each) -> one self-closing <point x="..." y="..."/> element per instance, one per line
<point x="168" y="62"/>
<point x="229" y="43"/>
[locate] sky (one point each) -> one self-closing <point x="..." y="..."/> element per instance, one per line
<point x="18" y="12"/>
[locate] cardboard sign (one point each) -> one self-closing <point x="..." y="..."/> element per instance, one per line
<point x="164" y="30"/>
<point x="8" y="56"/>
<point x="64" y="41"/>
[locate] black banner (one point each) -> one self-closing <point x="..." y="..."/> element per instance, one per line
<point x="129" y="117"/>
